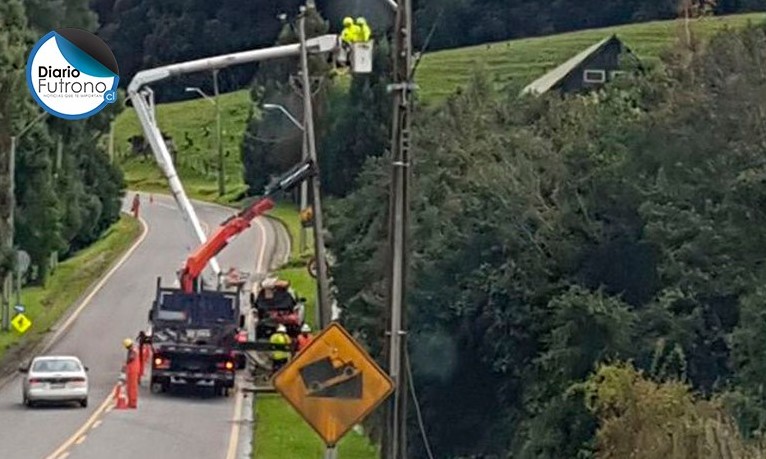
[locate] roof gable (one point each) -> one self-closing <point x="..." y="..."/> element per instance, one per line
<point x="550" y="79"/>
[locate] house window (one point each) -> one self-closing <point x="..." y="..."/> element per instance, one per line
<point x="594" y="76"/>
<point x="616" y="74"/>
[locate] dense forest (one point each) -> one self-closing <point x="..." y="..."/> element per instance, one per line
<point x="551" y="235"/>
<point x="63" y="201"/>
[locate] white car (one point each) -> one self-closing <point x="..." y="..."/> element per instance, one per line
<point x="55" y="378"/>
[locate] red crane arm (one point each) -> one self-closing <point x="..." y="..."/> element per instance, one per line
<point x="232" y="227"/>
<point x="228" y="230"/>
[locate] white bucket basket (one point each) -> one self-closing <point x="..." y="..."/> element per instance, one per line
<point x="361" y="57"/>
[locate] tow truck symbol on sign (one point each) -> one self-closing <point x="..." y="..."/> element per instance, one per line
<point x="323" y="378"/>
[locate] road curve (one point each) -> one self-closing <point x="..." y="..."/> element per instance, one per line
<point x="164" y="426"/>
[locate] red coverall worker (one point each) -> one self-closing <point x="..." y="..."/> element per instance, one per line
<point x="136" y="205"/>
<point x="304" y="339"/>
<point x="132" y="370"/>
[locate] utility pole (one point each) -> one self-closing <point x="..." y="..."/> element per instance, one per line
<point x="325" y="307"/>
<point x="8" y="281"/>
<point x="111" y="142"/>
<point x="221" y="176"/>
<point x="395" y="432"/>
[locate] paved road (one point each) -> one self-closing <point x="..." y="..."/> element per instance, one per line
<point x="164" y="426"/>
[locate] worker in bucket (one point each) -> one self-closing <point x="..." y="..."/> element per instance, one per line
<point x="350" y="31"/>
<point x="132" y="371"/>
<point x="364" y="33"/>
<point x="305" y="337"/>
<point x="279" y="357"/>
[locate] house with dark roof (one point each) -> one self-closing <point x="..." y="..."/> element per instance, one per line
<point x="591" y="68"/>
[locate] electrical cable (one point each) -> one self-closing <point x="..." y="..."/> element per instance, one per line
<point x="421" y="425"/>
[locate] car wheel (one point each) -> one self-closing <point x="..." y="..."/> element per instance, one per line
<point x="84" y="403"/>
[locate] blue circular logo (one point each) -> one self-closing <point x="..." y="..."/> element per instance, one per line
<point x="72" y="74"/>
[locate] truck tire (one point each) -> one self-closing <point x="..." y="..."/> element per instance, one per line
<point x="156" y="387"/>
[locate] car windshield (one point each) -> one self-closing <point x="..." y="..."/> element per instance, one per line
<point x="56" y="365"/>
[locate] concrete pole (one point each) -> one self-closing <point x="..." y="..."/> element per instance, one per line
<point x="7" y="282"/>
<point x="324" y="304"/>
<point x="395" y="434"/>
<point x="304" y="192"/>
<point x="221" y="173"/>
<point x="111" y="142"/>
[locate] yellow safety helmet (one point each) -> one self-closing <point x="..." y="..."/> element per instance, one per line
<point x="347" y="21"/>
<point x="361" y="20"/>
<point x="127" y="342"/>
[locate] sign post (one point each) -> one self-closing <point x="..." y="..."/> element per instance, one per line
<point x="333" y="384"/>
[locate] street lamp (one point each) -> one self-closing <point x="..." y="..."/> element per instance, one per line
<point x="304" y="155"/>
<point x="286" y="113"/>
<point x="214" y="101"/>
<point x="7" y="284"/>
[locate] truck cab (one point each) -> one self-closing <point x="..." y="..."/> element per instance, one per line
<point x="193" y="338"/>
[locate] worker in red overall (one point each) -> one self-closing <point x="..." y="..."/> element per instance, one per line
<point x="144" y="350"/>
<point x="304" y="339"/>
<point x="132" y="371"/>
<point x="136" y="205"/>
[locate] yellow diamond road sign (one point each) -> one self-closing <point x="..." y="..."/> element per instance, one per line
<point x="21" y="323"/>
<point x="333" y="383"/>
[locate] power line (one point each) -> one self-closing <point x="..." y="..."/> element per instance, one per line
<point x="421" y="424"/>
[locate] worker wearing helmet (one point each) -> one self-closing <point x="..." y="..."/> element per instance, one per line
<point x="350" y="31"/>
<point x="364" y="33"/>
<point x="132" y="371"/>
<point x="279" y="357"/>
<point x="304" y="339"/>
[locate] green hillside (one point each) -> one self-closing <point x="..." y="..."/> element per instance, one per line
<point x="522" y="61"/>
<point x="439" y="74"/>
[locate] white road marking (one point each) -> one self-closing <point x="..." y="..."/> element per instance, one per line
<point x="81" y="439"/>
<point x="97" y="423"/>
<point x="231" y="453"/>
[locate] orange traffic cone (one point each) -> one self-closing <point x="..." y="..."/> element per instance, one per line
<point x="121" y="399"/>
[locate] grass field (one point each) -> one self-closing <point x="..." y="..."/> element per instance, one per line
<point x="191" y="124"/>
<point x="70" y="280"/>
<point x="281" y="433"/>
<point x="279" y="429"/>
<point x="517" y="62"/>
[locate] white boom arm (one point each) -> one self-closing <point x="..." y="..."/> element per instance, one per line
<point x="144" y="108"/>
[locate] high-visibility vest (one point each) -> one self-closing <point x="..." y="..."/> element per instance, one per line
<point x="280" y="338"/>
<point x="350" y="33"/>
<point x="365" y="33"/>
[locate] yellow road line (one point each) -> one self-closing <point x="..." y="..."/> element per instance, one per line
<point x="73" y="439"/>
<point x="63" y="456"/>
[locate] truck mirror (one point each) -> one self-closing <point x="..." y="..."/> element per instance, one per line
<point x="241" y="321"/>
<point x="151" y="315"/>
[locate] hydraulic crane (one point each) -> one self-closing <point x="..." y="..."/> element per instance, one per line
<point x="238" y="223"/>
